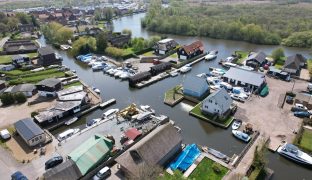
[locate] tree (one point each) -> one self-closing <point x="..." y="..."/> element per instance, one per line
<point x="108" y="14"/>
<point x="20" y="97"/>
<point x="12" y="23"/>
<point x="57" y="33"/>
<point x="63" y="35"/>
<point x="83" y="45"/>
<point x="24" y="18"/>
<point x="278" y="54"/>
<point x="137" y="44"/>
<point x="101" y="42"/>
<point x="3" y="28"/>
<point x="114" y="52"/>
<point x="7" y="99"/>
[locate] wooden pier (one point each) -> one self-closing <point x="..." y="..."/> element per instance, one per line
<point x="107" y="103"/>
<point x="152" y="80"/>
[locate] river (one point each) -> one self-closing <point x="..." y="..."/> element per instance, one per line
<point x="193" y="130"/>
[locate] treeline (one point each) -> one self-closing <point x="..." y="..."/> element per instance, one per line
<point x="10" y="24"/>
<point x="260" y="24"/>
<point x="56" y="33"/>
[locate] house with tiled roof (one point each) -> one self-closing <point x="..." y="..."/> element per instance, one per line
<point x="191" y="50"/>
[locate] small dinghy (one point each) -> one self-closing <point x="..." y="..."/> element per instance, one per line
<point x="236" y="124"/>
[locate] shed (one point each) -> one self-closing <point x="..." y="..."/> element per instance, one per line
<point x="30" y="132"/>
<point x="20" y="59"/>
<point x="133" y="133"/>
<point x="91" y="153"/>
<point x="195" y="87"/>
<point x="27" y="89"/>
<point x="294" y="63"/>
<point x="133" y="80"/>
<point x="48" y="87"/>
<point x="256" y="60"/>
<point x="156" y="148"/>
<point x="48" y="57"/>
<point x="243" y="77"/>
<point x="191" y="50"/>
<point x="159" y="68"/>
<point x="66" y="170"/>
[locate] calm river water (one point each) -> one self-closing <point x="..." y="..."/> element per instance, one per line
<point x="193" y="130"/>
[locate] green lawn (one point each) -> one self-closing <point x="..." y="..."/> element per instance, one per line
<point x="174" y="55"/>
<point x="149" y="53"/>
<point x="280" y="63"/>
<point x="309" y="62"/>
<point x="169" y="95"/>
<point x="306" y="140"/>
<point x="243" y="54"/>
<point x="208" y="170"/>
<point x="72" y="84"/>
<point x="7" y="59"/>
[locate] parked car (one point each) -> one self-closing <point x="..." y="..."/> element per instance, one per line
<point x="53" y="162"/>
<point x="290" y="99"/>
<point x="18" y="176"/>
<point x="102" y="174"/>
<point x="5" y="134"/>
<point x="302" y="114"/>
<point x="296" y="109"/>
<point x="226" y="86"/>
<point x="300" y="106"/>
<point x="237" y="97"/>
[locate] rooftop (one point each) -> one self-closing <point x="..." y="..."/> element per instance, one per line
<point x="45" y="51"/>
<point x="245" y="76"/>
<point x="27" y="128"/>
<point x="51" y="82"/>
<point x="70" y="90"/>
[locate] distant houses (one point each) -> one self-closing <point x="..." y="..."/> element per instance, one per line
<point x="155" y="149"/>
<point x="294" y="63"/>
<point x="217" y="103"/>
<point x="26" y="27"/>
<point x="118" y="39"/>
<point x="191" y="50"/>
<point x="241" y="77"/>
<point x="30" y="132"/>
<point x="48" y="57"/>
<point x="165" y="45"/>
<point x="195" y="87"/>
<point x="27" y="89"/>
<point x="256" y="60"/>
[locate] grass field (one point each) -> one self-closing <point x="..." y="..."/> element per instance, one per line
<point x="174" y="55"/>
<point x="306" y="140"/>
<point x="207" y="169"/>
<point x="170" y="97"/>
<point x="19" y="77"/>
<point x="309" y="62"/>
<point x="7" y="59"/>
<point x="149" y="53"/>
<point x="127" y="51"/>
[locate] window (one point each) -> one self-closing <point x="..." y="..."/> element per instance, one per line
<point x="135" y="156"/>
<point x="32" y="140"/>
<point x="37" y="138"/>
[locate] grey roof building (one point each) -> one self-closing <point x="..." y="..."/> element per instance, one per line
<point x="256" y="59"/>
<point x="195" y="87"/>
<point x="47" y="57"/>
<point x="294" y="63"/>
<point x="153" y="149"/>
<point x="2" y="85"/>
<point x="48" y="87"/>
<point x="243" y="77"/>
<point x="218" y="103"/>
<point x="30" y="132"/>
<point x="27" y="89"/>
<point x="66" y="170"/>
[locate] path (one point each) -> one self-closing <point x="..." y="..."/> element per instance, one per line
<point x="2" y="41"/>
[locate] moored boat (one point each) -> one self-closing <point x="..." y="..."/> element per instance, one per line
<point x="147" y="108"/>
<point x="241" y="135"/>
<point x="110" y="112"/>
<point x="292" y="152"/>
<point x="71" y="121"/>
<point x="236" y="124"/>
<point x="66" y="134"/>
<point x="96" y="90"/>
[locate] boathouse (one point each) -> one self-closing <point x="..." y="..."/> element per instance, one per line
<point x="48" y="57"/>
<point x="195" y="87"/>
<point x="143" y="76"/>
<point x="256" y="60"/>
<point x="165" y="45"/>
<point x="49" y="87"/>
<point x="159" y="68"/>
<point x="294" y="63"/>
<point x="190" y="51"/>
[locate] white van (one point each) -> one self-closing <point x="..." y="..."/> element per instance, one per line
<point x="5" y="134"/>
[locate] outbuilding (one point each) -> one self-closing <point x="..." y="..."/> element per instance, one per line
<point x="48" y="57"/>
<point x="165" y="45"/>
<point x="30" y="132"/>
<point x="49" y="87"/>
<point x="20" y="59"/>
<point x="27" y="89"/>
<point x="242" y="77"/>
<point x="256" y="60"/>
<point x="195" y="87"/>
<point x="191" y="50"/>
<point x="159" y="68"/>
<point x="133" y="80"/>
<point x="293" y="64"/>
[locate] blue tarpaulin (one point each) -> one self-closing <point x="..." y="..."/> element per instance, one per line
<point x="186" y="158"/>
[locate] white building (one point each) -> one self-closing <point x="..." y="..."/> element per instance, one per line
<point x="218" y="103"/>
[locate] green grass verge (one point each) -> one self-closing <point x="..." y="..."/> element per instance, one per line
<point x="306" y="140"/>
<point x="223" y="122"/>
<point x="7" y="59"/>
<point x="208" y="169"/>
<point x="127" y="51"/>
<point x="243" y="55"/>
<point x="309" y="62"/>
<point x="149" y="53"/>
<point x="174" y="55"/>
<point x="169" y="95"/>
<point x="72" y="84"/>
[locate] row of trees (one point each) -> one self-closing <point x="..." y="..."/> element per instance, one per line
<point x="57" y="33"/>
<point x="9" y="98"/>
<point x="261" y="24"/>
<point x="83" y="45"/>
<point x="10" y="24"/>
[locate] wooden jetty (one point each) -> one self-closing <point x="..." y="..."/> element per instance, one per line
<point x="107" y="103"/>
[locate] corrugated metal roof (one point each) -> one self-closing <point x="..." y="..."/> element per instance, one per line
<point x="27" y="128"/>
<point x="245" y="76"/>
<point x="91" y="152"/>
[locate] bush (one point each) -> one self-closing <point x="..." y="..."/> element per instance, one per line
<point x="33" y="114"/>
<point x="291" y="94"/>
<point x="20" y="97"/>
<point x="7" y="99"/>
<point x="216" y="168"/>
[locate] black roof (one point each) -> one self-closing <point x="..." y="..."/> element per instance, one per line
<point x="293" y="62"/>
<point x="259" y="57"/>
<point x="45" y="51"/>
<point x="139" y="76"/>
<point x="51" y="82"/>
<point x="162" y="66"/>
<point x="27" y="128"/>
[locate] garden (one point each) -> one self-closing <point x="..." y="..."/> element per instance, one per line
<point x="208" y="169"/>
<point x="7" y="59"/>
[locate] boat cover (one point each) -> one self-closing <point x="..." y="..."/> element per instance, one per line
<point x="264" y="92"/>
<point x="186" y="158"/>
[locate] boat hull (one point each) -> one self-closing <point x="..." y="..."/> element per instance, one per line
<point x="286" y="155"/>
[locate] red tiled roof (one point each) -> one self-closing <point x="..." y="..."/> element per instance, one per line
<point x="133" y="133"/>
<point x="189" y="49"/>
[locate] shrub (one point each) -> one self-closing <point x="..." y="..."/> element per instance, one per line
<point x="20" y="97"/>
<point x="7" y="99"/>
<point x="33" y="114"/>
<point x="216" y="168"/>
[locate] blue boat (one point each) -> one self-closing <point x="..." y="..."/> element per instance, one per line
<point x="186" y="158"/>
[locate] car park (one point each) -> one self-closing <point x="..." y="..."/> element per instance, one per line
<point x="51" y="163"/>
